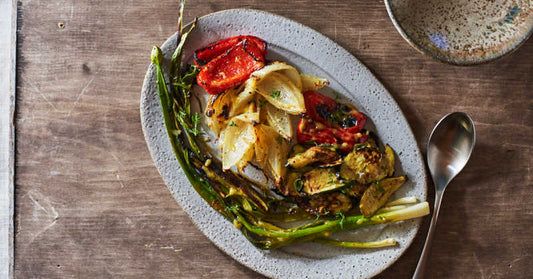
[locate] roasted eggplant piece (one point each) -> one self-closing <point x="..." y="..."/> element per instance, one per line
<point x="378" y="193"/>
<point x="319" y="155"/>
<point x="320" y="180"/>
<point x="367" y="164"/>
<point x="326" y="204"/>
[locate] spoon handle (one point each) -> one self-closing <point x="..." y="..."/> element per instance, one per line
<point x="420" y="268"/>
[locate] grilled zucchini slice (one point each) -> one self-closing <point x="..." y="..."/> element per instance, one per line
<point x="320" y="180"/>
<point x="368" y="164"/>
<point x="319" y="155"/>
<point x="378" y="193"/>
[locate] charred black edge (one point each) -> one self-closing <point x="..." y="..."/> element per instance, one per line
<point x="212" y="101"/>
<point x="244" y="39"/>
<point x="225" y="112"/>
<point x="198" y="166"/>
<point x="199" y="61"/>
<point x="245" y="43"/>
<point x="211" y="47"/>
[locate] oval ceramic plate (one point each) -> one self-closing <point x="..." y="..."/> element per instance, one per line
<point x="463" y="32"/>
<point x="315" y="54"/>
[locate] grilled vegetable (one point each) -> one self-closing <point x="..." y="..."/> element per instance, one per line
<point x="218" y="110"/>
<point x="312" y="83"/>
<point x="378" y="193"/>
<point x="280" y="85"/>
<point x="263" y="141"/>
<point x="356" y="190"/>
<point x="326" y="204"/>
<point x="239" y="140"/>
<point x="348" y="244"/>
<point x="320" y="180"/>
<point x="278" y="120"/>
<point x="277" y="157"/>
<point x="242" y="100"/>
<point x="367" y="164"/>
<point x="319" y="107"/>
<point x="281" y="68"/>
<point x="235" y="196"/>
<point x="329" y="122"/>
<point x="231" y="68"/>
<point x="318" y="155"/>
<point x="311" y="132"/>
<point x="210" y="52"/>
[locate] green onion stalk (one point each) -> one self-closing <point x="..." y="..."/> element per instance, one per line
<point x="236" y="197"/>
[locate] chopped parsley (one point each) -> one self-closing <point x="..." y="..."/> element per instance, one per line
<point x="262" y="103"/>
<point x="381" y="189"/>
<point x="298" y="184"/>
<point x="275" y="94"/>
<point x="280" y="140"/>
<point x="233" y="124"/>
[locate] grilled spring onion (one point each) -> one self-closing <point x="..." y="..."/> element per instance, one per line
<point x="232" y="195"/>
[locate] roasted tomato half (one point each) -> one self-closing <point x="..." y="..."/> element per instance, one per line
<point x="329" y="122"/>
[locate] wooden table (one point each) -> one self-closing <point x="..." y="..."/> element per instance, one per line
<point x="91" y="204"/>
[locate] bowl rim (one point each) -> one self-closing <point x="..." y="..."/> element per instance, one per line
<point x="452" y="59"/>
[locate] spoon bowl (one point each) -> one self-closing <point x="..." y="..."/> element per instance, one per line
<point x="449" y="147"/>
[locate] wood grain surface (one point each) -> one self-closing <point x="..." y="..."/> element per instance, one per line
<point x="91" y="204"/>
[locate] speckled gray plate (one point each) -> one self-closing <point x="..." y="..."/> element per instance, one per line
<point x="463" y="32"/>
<point x="315" y="54"/>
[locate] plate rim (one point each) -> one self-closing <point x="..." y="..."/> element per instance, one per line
<point x="146" y="85"/>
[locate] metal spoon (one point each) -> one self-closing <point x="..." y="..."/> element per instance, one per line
<point x="449" y="148"/>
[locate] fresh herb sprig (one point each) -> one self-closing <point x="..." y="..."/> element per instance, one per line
<point x="275" y="94"/>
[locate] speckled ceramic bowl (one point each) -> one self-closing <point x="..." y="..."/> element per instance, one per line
<point x="463" y="32"/>
<point x="312" y="53"/>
